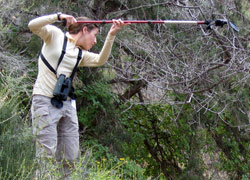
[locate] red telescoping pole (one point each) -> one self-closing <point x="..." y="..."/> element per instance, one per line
<point x="144" y="22"/>
<point x="218" y="22"/>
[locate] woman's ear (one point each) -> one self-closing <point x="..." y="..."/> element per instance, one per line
<point x="84" y="29"/>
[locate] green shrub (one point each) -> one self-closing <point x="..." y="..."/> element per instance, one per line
<point x="16" y="139"/>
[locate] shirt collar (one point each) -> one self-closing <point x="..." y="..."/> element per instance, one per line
<point x="70" y="38"/>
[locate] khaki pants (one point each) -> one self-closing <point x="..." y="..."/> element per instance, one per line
<point x="56" y="131"/>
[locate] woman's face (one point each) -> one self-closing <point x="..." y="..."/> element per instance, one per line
<point x="88" y="38"/>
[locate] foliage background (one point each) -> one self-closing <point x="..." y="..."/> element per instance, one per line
<point x="172" y="101"/>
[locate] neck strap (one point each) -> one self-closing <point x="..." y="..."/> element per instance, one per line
<point x="79" y="57"/>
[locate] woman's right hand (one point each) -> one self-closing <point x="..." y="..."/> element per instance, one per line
<point x="117" y="26"/>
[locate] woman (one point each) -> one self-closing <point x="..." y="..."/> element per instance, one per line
<point x="55" y="122"/>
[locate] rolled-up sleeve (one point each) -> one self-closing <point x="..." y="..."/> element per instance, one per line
<point x="93" y="60"/>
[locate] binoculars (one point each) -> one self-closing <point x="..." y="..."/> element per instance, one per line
<point x="62" y="88"/>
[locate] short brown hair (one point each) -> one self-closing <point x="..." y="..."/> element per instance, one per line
<point x="77" y="27"/>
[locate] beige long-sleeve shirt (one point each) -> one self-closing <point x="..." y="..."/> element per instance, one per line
<point x="53" y="38"/>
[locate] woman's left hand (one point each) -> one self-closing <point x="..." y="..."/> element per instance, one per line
<point x="69" y="19"/>
<point x="117" y="26"/>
